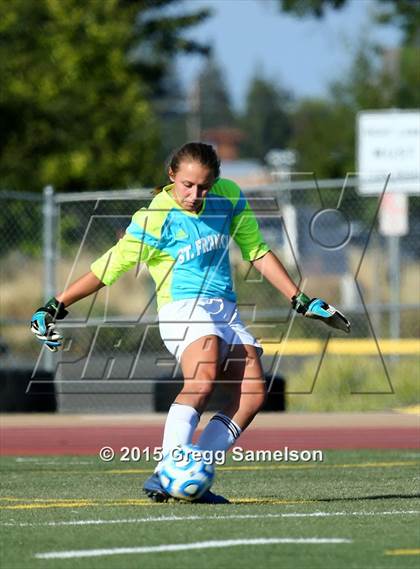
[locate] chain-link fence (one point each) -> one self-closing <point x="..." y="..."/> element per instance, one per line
<point x="325" y="233"/>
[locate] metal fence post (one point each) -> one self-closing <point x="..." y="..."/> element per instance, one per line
<point x="395" y="285"/>
<point x="48" y="249"/>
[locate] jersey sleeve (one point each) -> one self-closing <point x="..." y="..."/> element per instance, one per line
<point x="245" y="231"/>
<point x="136" y="246"/>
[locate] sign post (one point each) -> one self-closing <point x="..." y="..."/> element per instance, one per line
<point x="388" y="149"/>
<point x="393" y="222"/>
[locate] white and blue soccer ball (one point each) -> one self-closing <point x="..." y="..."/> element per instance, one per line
<point x="186" y="472"/>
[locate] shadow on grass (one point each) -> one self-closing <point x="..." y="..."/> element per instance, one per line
<point x="374" y="497"/>
<point x="284" y="501"/>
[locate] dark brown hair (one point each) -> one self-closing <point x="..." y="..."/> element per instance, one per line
<point x="200" y="152"/>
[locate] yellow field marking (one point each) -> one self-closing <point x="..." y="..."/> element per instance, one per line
<point x="222" y="468"/>
<point x="132" y="471"/>
<point x="85" y="503"/>
<point x="42" y="506"/>
<point x="133" y="502"/>
<point x="9" y="498"/>
<point x="287" y="466"/>
<point x="36" y="505"/>
<point x="253" y="467"/>
<point x="359" y="347"/>
<point x="411" y="410"/>
<point x="319" y="465"/>
<point x="45" y="503"/>
<point x="402" y="552"/>
<point x="14" y="499"/>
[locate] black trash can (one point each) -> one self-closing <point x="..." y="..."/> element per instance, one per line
<point x="20" y="393"/>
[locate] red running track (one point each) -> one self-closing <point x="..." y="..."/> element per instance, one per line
<point x="88" y="440"/>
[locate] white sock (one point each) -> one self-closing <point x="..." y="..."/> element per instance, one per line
<point x="220" y="433"/>
<point x="181" y="422"/>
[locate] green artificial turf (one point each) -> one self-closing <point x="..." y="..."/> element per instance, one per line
<point x="370" y="498"/>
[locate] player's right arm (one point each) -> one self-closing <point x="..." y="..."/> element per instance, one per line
<point x="83" y="287"/>
<point x="129" y="251"/>
<point x="43" y="320"/>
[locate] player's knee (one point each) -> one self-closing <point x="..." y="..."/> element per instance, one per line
<point x="198" y="396"/>
<point x="200" y="389"/>
<point x="256" y="401"/>
<point x="201" y="372"/>
<point x="260" y="400"/>
<point x="204" y="388"/>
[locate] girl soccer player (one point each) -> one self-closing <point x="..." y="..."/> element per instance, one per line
<point x="183" y="237"/>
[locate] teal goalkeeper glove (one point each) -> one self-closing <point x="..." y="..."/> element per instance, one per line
<point x="43" y="324"/>
<point x="319" y="309"/>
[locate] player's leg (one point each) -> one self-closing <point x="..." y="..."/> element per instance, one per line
<point x="200" y="367"/>
<point x="243" y="381"/>
<point x="199" y="364"/>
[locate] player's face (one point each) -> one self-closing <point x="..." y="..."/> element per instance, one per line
<point x="193" y="182"/>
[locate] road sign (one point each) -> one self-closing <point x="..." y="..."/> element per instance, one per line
<point x="388" y="146"/>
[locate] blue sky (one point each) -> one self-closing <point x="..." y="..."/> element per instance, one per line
<point x="302" y="55"/>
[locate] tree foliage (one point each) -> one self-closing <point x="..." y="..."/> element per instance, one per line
<point x="310" y="7"/>
<point x="324" y="131"/>
<point x="77" y="84"/>
<point x="403" y="13"/>
<point x="214" y="99"/>
<point x="378" y="78"/>
<point x="266" y="120"/>
<point x="322" y="136"/>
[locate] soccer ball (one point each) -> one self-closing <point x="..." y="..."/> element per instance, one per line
<point x="186" y="473"/>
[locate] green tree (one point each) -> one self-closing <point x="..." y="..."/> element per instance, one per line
<point x="310" y="7"/>
<point x="380" y="78"/>
<point x="323" y="137"/>
<point x="403" y="13"/>
<point x="324" y="130"/>
<point x="215" y="108"/>
<point x="171" y="110"/>
<point x="78" y="85"/>
<point x="266" y="120"/>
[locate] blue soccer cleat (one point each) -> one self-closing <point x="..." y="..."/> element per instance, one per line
<point x="153" y="488"/>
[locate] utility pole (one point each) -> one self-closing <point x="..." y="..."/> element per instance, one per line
<point x="282" y="163"/>
<point x="194" y="112"/>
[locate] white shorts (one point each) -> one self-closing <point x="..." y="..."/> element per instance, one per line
<point x="184" y="321"/>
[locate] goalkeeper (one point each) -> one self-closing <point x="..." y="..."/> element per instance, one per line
<point x="183" y="237"/>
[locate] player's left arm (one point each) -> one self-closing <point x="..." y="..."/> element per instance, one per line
<point x="270" y="266"/>
<point x="245" y="231"/>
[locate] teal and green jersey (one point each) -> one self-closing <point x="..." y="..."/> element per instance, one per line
<point x="187" y="253"/>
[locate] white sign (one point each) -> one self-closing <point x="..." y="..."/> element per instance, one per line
<point x="393" y="214"/>
<point x="388" y="150"/>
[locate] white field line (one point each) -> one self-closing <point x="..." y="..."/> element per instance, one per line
<point x="153" y="519"/>
<point x="186" y="546"/>
<point x="55" y="461"/>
